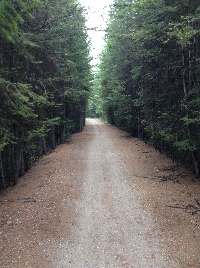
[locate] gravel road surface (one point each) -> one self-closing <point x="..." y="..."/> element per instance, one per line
<point x="103" y="199"/>
<point x="112" y="229"/>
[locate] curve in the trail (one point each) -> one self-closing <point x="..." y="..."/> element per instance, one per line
<point x="112" y="229"/>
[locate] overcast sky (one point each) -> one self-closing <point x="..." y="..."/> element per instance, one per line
<point x="97" y="16"/>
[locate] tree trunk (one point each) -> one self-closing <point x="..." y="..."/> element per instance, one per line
<point x="53" y="136"/>
<point x="183" y="77"/>
<point x="22" y="165"/>
<point x="18" y="155"/>
<point x="2" y="172"/>
<point x="44" y="146"/>
<point x="194" y="159"/>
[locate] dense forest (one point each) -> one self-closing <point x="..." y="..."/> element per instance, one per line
<point x="44" y="80"/>
<point x="149" y="76"/>
<point x="148" y="82"/>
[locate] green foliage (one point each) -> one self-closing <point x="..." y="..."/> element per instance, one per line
<point x="44" y="79"/>
<point x="150" y="74"/>
<point x="95" y="106"/>
<point x="11" y="18"/>
<point x="186" y="145"/>
<point x="71" y="125"/>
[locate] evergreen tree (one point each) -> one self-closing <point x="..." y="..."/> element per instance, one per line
<point x="149" y="73"/>
<point x="44" y="80"/>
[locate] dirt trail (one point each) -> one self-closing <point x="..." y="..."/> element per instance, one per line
<point x="102" y="200"/>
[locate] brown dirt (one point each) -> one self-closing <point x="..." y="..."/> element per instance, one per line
<point x="171" y="194"/>
<point x="40" y="214"/>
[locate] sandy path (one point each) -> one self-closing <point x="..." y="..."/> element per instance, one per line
<point x="112" y="226"/>
<point x="96" y="205"/>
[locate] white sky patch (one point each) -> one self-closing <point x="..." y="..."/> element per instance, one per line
<point x="97" y="17"/>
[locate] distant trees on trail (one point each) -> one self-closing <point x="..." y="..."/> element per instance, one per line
<point x="150" y="74"/>
<point x="148" y="81"/>
<point x="44" y="80"/>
